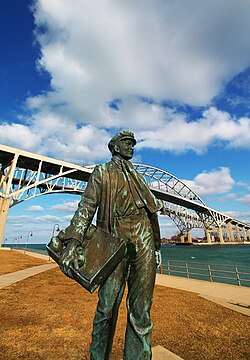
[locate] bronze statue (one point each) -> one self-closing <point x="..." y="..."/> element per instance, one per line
<point x="127" y="209"/>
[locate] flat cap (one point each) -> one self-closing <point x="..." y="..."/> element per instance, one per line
<point x="123" y="135"/>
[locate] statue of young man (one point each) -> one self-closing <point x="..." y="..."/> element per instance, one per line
<point x="127" y="209"/>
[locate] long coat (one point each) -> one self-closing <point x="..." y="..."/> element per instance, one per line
<point x="100" y="195"/>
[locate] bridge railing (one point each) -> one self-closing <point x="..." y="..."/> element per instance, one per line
<point x="229" y="274"/>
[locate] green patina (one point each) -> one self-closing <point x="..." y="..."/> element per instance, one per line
<point x="127" y="209"/>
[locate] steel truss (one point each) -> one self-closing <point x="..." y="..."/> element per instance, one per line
<point x="27" y="184"/>
<point x="181" y="203"/>
<point x="26" y="175"/>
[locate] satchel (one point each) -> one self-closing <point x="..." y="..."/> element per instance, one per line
<point x="99" y="255"/>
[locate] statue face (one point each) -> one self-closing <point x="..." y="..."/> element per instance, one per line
<point x="125" y="148"/>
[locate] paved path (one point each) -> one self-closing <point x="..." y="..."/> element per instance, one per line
<point x="9" y="279"/>
<point x="233" y="297"/>
<point x="160" y="353"/>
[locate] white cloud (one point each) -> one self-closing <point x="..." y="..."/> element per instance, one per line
<point x="214" y="182"/>
<point x="230" y="196"/>
<point x="137" y="114"/>
<point x="35" y="208"/>
<point x="69" y="206"/>
<point x="24" y="219"/>
<point x="47" y="218"/>
<point x="67" y="217"/>
<point x="238" y="214"/>
<point x="180" y="135"/>
<point x="57" y="137"/>
<point x="245" y="199"/>
<point x="18" y="135"/>
<point x="96" y="52"/>
<point x="172" y="225"/>
<point x="163" y="129"/>
<point x="79" y="144"/>
<point x="244" y="184"/>
<point x="19" y="218"/>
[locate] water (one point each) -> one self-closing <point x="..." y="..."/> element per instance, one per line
<point x="38" y="248"/>
<point x="224" y="260"/>
<point x="198" y="258"/>
<point x="237" y="255"/>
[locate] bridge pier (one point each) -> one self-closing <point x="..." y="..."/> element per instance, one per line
<point x="187" y="237"/>
<point x="230" y="232"/>
<point x="182" y="238"/>
<point x="244" y="234"/>
<point x="221" y="235"/>
<point x="4" y="209"/>
<point x="6" y="184"/>
<point x="238" y="232"/>
<point x="208" y="236"/>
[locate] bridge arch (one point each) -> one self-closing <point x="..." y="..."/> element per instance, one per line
<point x="25" y="175"/>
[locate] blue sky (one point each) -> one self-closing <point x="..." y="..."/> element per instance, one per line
<point x="176" y="73"/>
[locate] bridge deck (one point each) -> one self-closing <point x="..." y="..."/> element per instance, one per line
<point x="53" y="169"/>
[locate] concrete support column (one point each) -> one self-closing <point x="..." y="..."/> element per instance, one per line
<point x="208" y="236"/>
<point x="189" y="238"/>
<point x="230" y="232"/>
<point x="4" y="209"/>
<point x="244" y="234"/>
<point x="238" y="232"/>
<point x="182" y="238"/>
<point x="220" y="235"/>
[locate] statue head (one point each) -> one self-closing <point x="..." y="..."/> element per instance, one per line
<point x="123" y="144"/>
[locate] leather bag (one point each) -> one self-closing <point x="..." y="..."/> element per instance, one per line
<point x="100" y="253"/>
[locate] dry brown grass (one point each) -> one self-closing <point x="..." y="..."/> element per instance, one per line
<point x="11" y="261"/>
<point x="50" y="317"/>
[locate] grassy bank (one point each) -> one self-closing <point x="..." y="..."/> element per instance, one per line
<point x="11" y="261"/>
<point x="49" y="316"/>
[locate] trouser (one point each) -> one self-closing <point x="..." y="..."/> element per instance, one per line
<point x="138" y="269"/>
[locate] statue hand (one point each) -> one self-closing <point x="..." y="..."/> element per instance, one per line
<point x="158" y="258"/>
<point x="69" y="258"/>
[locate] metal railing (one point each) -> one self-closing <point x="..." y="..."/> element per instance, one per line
<point x="229" y="274"/>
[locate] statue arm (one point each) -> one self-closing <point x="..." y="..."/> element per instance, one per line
<point x="156" y="230"/>
<point x="86" y="208"/>
<point x="75" y="232"/>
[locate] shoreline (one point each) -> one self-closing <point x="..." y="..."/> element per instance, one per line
<point x="225" y="243"/>
<point x="30" y="253"/>
<point x="208" y="244"/>
<point x="229" y="274"/>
